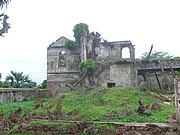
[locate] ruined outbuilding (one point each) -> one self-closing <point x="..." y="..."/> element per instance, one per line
<point x="113" y="70"/>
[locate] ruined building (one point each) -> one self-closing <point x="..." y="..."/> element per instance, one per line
<point x="63" y="65"/>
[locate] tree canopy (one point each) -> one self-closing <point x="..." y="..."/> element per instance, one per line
<point x="19" y="80"/>
<point x="43" y="85"/>
<point x="156" y="55"/>
<point x="71" y="45"/>
<point x="79" y="30"/>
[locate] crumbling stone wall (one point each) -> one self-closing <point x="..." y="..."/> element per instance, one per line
<point x="114" y="50"/>
<point x="63" y="64"/>
<point x="166" y="81"/>
<point x="118" y="75"/>
<point x="154" y="64"/>
<point x="8" y="95"/>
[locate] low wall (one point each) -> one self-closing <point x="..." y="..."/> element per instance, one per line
<point x="8" y="95"/>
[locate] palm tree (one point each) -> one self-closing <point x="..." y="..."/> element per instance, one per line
<point x="18" y="80"/>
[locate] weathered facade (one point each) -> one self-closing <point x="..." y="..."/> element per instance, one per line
<point x="62" y="64"/>
<point x="112" y="70"/>
<point x="9" y="95"/>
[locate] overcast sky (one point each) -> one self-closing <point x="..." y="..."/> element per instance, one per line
<point x="37" y="23"/>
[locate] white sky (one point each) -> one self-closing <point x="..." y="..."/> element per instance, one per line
<point x="37" y="23"/>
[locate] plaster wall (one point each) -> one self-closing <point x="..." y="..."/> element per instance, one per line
<point x="8" y="95"/>
<point x="166" y="81"/>
<point x="102" y="52"/>
<point x="120" y="74"/>
<point x="57" y="82"/>
<point x="112" y="50"/>
<point x="60" y="75"/>
<point x="154" y="64"/>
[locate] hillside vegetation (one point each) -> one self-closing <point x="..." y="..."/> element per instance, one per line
<point x="114" y="104"/>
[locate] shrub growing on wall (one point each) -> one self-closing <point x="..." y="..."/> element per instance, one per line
<point x="71" y="45"/>
<point x="87" y="66"/>
<point x="177" y="73"/>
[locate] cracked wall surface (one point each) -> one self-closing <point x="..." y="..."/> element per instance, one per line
<point x="63" y="66"/>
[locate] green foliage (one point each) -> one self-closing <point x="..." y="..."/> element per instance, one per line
<point x="88" y="65"/>
<point x="18" y="80"/>
<point x="115" y="104"/>
<point x="96" y="37"/>
<point x="24" y="105"/>
<point x="79" y="30"/>
<point x="4" y="84"/>
<point x="177" y="73"/>
<point x="47" y="122"/>
<point x="43" y="85"/>
<point x="156" y="55"/>
<point x="30" y="84"/>
<point x="71" y="45"/>
<point x="1" y="84"/>
<point x="176" y="58"/>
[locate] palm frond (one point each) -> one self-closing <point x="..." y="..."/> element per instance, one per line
<point x="18" y="80"/>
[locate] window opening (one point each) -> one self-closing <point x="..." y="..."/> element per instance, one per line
<point x="61" y="61"/>
<point x="110" y="85"/>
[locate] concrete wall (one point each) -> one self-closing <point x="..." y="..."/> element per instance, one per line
<point x="166" y="81"/>
<point x="59" y="76"/>
<point x="61" y="70"/>
<point x="56" y="82"/>
<point x="119" y="74"/>
<point x="8" y="95"/>
<point x="145" y="65"/>
<point x="114" y="50"/>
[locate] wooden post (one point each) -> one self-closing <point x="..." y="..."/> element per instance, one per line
<point x="177" y="97"/>
<point x="172" y="72"/>
<point x="158" y="80"/>
<point x="150" y="52"/>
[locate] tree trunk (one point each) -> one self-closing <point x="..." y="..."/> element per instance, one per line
<point x="80" y="79"/>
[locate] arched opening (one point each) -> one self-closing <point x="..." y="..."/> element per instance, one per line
<point x="126" y="52"/>
<point x="61" y="59"/>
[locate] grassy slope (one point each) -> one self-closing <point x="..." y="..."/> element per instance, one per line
<point x="116" y="104"/>
<point x="119" y="103"/>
